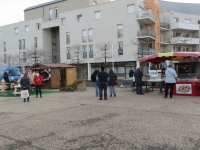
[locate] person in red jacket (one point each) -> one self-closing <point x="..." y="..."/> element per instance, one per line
<point x="38" y="84"/>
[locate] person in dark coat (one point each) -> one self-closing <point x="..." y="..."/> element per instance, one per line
<point x="112" y="82"/>
<point x="103" y="83"/>
<point x="25" y="84"/>
<point x="138" y="80"/>
<point x="93" y="78"/>
<point x="6" y="76"/>
<point x="131" y="73"/>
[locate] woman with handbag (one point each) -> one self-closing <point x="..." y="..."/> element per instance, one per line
<point x="25" y="84"/>
<point x="170" y="80"/>
<point x="112" y="82"/>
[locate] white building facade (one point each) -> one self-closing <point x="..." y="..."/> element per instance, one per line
<point x="130" y="29"/>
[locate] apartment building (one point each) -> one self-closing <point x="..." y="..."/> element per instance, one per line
<point x="129" y="28"/>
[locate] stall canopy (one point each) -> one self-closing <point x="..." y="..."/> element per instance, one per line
<point x="161" y="57"/>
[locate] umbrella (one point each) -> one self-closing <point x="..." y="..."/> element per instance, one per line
<point x="161" y="57"/>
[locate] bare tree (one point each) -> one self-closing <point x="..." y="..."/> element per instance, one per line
<point x="105" y="52"/>
<point x="77" y="56"/>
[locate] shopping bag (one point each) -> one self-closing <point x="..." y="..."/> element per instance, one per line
<point x="24" y="94"/>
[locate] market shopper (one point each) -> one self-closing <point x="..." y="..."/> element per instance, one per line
<point x="138" y="80"/>
<point x="25" y="84"/>
<point x="112" y="82"/>
<point x="131" y="73"/>
<point x="38" y="84"/>
<point x="94" y="79"/>
<point x="170" y="80"/>
<point x="103" y="83"/>
<point x="162" y="83"/>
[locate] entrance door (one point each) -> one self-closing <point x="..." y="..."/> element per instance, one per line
<point x="70" y="76"/>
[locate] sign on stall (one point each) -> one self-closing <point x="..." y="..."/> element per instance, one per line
<point x="183" y="88"/>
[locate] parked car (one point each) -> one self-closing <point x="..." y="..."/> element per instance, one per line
<point x="14" y="72"/>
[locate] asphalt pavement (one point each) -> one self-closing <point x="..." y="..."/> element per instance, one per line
<point x="79" y="121"/>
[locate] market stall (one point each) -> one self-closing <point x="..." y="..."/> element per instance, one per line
<point x="55" y="75"/>
<point x="187" y="66"/>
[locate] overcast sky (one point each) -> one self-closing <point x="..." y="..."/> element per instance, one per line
<point x="12" y="11"/>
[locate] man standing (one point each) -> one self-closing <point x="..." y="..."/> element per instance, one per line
<point x="6" y="76"/>
<point x="38" y="84"/>
<point x="131" y="72"/>
<point x="93" y="78"/>
<point x="103" y="77"/>
<point x="138" y="80"/>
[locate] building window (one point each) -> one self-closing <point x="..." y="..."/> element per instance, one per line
<point x="24" y="57"/>
<point x="84" y="36"/>
<point x="68" y="38"/>
<point x="68" y="53"/>
<point x="16" y="30"/>
<point x="177" y="49"/>
<point x="176" y="34"/>
<point x="175" y="19"/>
<point x="24" y="43"/>
<point x="84" y="51"/>
<point x="97" y="15"/>
<point x="94" y="2"/>
<point x="56" y="12"/>
<point x="5" y="59"/>
<point x="35" y="42"/>
<point x="63" y="21"/>
<point x="38" y="26"/>
<point x="50" y="13"/>
<point x="26" y="28"/>
<point x="20" y="57"/>
<point x="119" y="31"/>
<point x="187" y="21"/>
<point x="91" y="51"/>
<point x="130" y="9"/>
<point x="20" y="44"/>
<point x="120" y="50"/>
<point x="79" y="18"/>
<point x="4" y="46"/>
<point x="90" y="35"/>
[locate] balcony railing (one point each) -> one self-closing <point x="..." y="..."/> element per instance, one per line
<point x="165" y="40"/>
<point x="164" y="25"/>
<point x="84" y="39"/>
<point x="185" y="40"/>
<point x="84" y="54"/>
<point x="146" y="33"/>
<point x="120" y="51"/>
<point x="68" y="56"/>
<point x="68" y="41"/>
<point x="90" y="38"/>
<point x="119" y="34"/>
<point x="146" y="14"/>
<point x="91" y="54"/>
<point x="146" y="51"/>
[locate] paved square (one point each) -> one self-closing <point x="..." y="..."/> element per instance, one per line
<point x="79" y="121"/>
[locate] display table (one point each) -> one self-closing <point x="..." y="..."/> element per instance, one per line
<point x="187" y="88"/>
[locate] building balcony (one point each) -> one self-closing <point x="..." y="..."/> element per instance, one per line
<point x="184" y="26"/>
<point x="146" y="51"/>
<point x="164" y="41"/>
<point x="185" y="40"/>
<point x="146" y="34"/>
<point x="146" y="17"/>
<point x="164" y="26"/>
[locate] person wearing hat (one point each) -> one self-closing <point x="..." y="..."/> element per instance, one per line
<point x="103" y="83"/>
<point x="25" y="84"/>
<point x="170" y="80"/>
<point x="38" y="84"/>
<point x="138" y="80"/>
